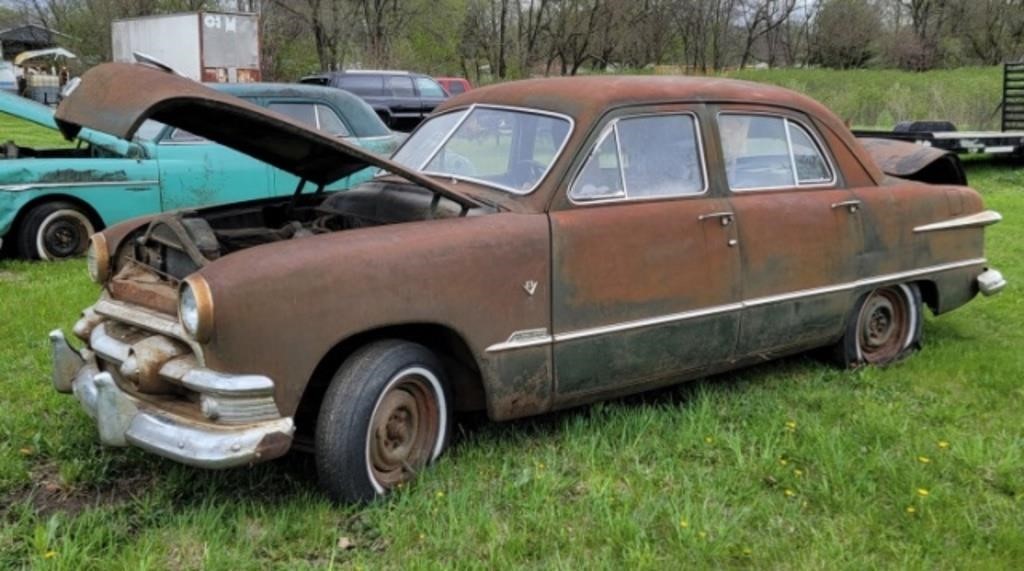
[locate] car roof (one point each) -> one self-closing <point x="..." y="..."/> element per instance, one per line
<point x="588" y="97"/>
<point x="358" y="113"/>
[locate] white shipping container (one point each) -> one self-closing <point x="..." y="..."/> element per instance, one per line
<point x="204" y="46"/>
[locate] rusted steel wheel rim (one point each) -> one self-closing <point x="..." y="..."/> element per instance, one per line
<point x="884" y="324"/>
<point x="407" y="428"/>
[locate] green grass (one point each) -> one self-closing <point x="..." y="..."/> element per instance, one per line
<point x="28" y="134"/>
<point x="969" y="97"/>
<point x="792" y="464"/>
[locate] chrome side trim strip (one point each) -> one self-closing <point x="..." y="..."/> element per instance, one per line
<point x="526" y="338"/>
<point x="977" y="220"/>
<point x="34" y="185"/>
<point x="640" y="323"/>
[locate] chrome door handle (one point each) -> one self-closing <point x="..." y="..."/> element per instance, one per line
<point x="851" y="205"/>
<point x="725" y="217"/>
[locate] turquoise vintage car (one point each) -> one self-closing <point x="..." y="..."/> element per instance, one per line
<point x="52" y="200"/>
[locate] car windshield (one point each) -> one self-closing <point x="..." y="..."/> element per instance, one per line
<point x="505" y="148"/>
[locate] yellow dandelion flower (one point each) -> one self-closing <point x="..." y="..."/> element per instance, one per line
<point x="798" y="472"/>
<point x="747" y="551"/>
<point x="924" y="459"/>
<point x="709" y="439"/>
<point x="422" y="536"/>
<point x="703" y="534"/>
<point x="911" y="509"/>
<point x="50" y="555"/>
<point x="783" y="461"/>
<point x="922" y="492"/>
<point x="684" y="524"/>
<point x="789" y="493"/>
<point x="943" y="444"/>
<point x="440" y="494"/>
<point x="791" y="425"/>
<point x="25" y="451"/>
<point x="541" y="465"/>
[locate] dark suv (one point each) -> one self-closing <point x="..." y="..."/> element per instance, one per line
<point x="402" y="99"/>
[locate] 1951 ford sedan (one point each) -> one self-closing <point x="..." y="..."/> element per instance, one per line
<point x="52" y="200"/>
<point x="532" y="246"/>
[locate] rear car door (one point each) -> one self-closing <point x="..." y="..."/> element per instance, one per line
<point x="645" y="282"/>
<point x="799" y="229"/>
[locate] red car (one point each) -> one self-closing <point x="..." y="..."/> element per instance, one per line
<point x="454" y="85"/>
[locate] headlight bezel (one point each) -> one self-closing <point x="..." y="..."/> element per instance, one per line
<point x="202" y="328"/>
<point x="98" y="258"/>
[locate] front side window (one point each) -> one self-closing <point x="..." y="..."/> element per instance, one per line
<point x="651" y="156"/>
<point x="764" y="152"/>
<point x="509" y="149"/>
<point x="401" y="86"/>
<point x="429" y="88"/>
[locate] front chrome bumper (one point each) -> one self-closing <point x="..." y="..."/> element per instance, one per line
<point x="123" y="419"/>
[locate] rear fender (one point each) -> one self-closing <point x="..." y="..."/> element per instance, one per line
<point x="912" y="161"/>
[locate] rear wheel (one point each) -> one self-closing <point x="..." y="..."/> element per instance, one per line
<point x="54" y="231"/>
<point x="885" y="326"/>
<point x="384" y="418"/>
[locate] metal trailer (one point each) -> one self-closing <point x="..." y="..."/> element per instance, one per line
<point x="1009" y="140"/>
<point x="204" y="46"/>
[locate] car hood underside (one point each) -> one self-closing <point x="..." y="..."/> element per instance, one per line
<point x="111" y="98"/>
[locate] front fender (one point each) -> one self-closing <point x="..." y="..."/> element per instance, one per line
<point x="279" y="309"/>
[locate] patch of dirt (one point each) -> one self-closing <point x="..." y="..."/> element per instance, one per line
<point x="48" y="494"/>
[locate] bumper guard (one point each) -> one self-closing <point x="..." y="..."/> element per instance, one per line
<point x="123" y="419"/>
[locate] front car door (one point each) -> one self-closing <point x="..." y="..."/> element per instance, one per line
<point x="799" y="229"/>
<point x="645" y="277"/>
<point x="196" y="172"/>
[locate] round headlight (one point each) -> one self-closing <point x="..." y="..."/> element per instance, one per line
<point x="97" y="260"/>
<point x="195" y="308"/>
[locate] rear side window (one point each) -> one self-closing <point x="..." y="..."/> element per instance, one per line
<point x="301" y="112"/>
<point x="651" y="156"/>
<point x="329" y="122"/>
<point x="362" y="84"/>
<point x="456" y="88"/>
<point x="318" y="116"/>
<point x="765" y="152"/>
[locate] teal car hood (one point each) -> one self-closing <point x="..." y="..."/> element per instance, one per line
<point x="41" y="115"/>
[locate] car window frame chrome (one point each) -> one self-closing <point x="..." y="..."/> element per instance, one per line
<point x="468" y="111"/>
<point x="786" y="118"/>
<point x="702" y="158"/>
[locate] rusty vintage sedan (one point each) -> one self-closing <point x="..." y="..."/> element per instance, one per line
<point x="533" y="246"/>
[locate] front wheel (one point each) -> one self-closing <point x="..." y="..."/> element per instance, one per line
<point x="54" y="231"/>
<point x="885" y="326"/>
<point x="384" y="418"/>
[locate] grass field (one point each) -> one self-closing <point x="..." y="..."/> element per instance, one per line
<point x="791" y="464"/>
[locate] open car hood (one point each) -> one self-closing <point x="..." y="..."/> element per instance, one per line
<point x="32" y="111"/>
<point x="117" y="98"/>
